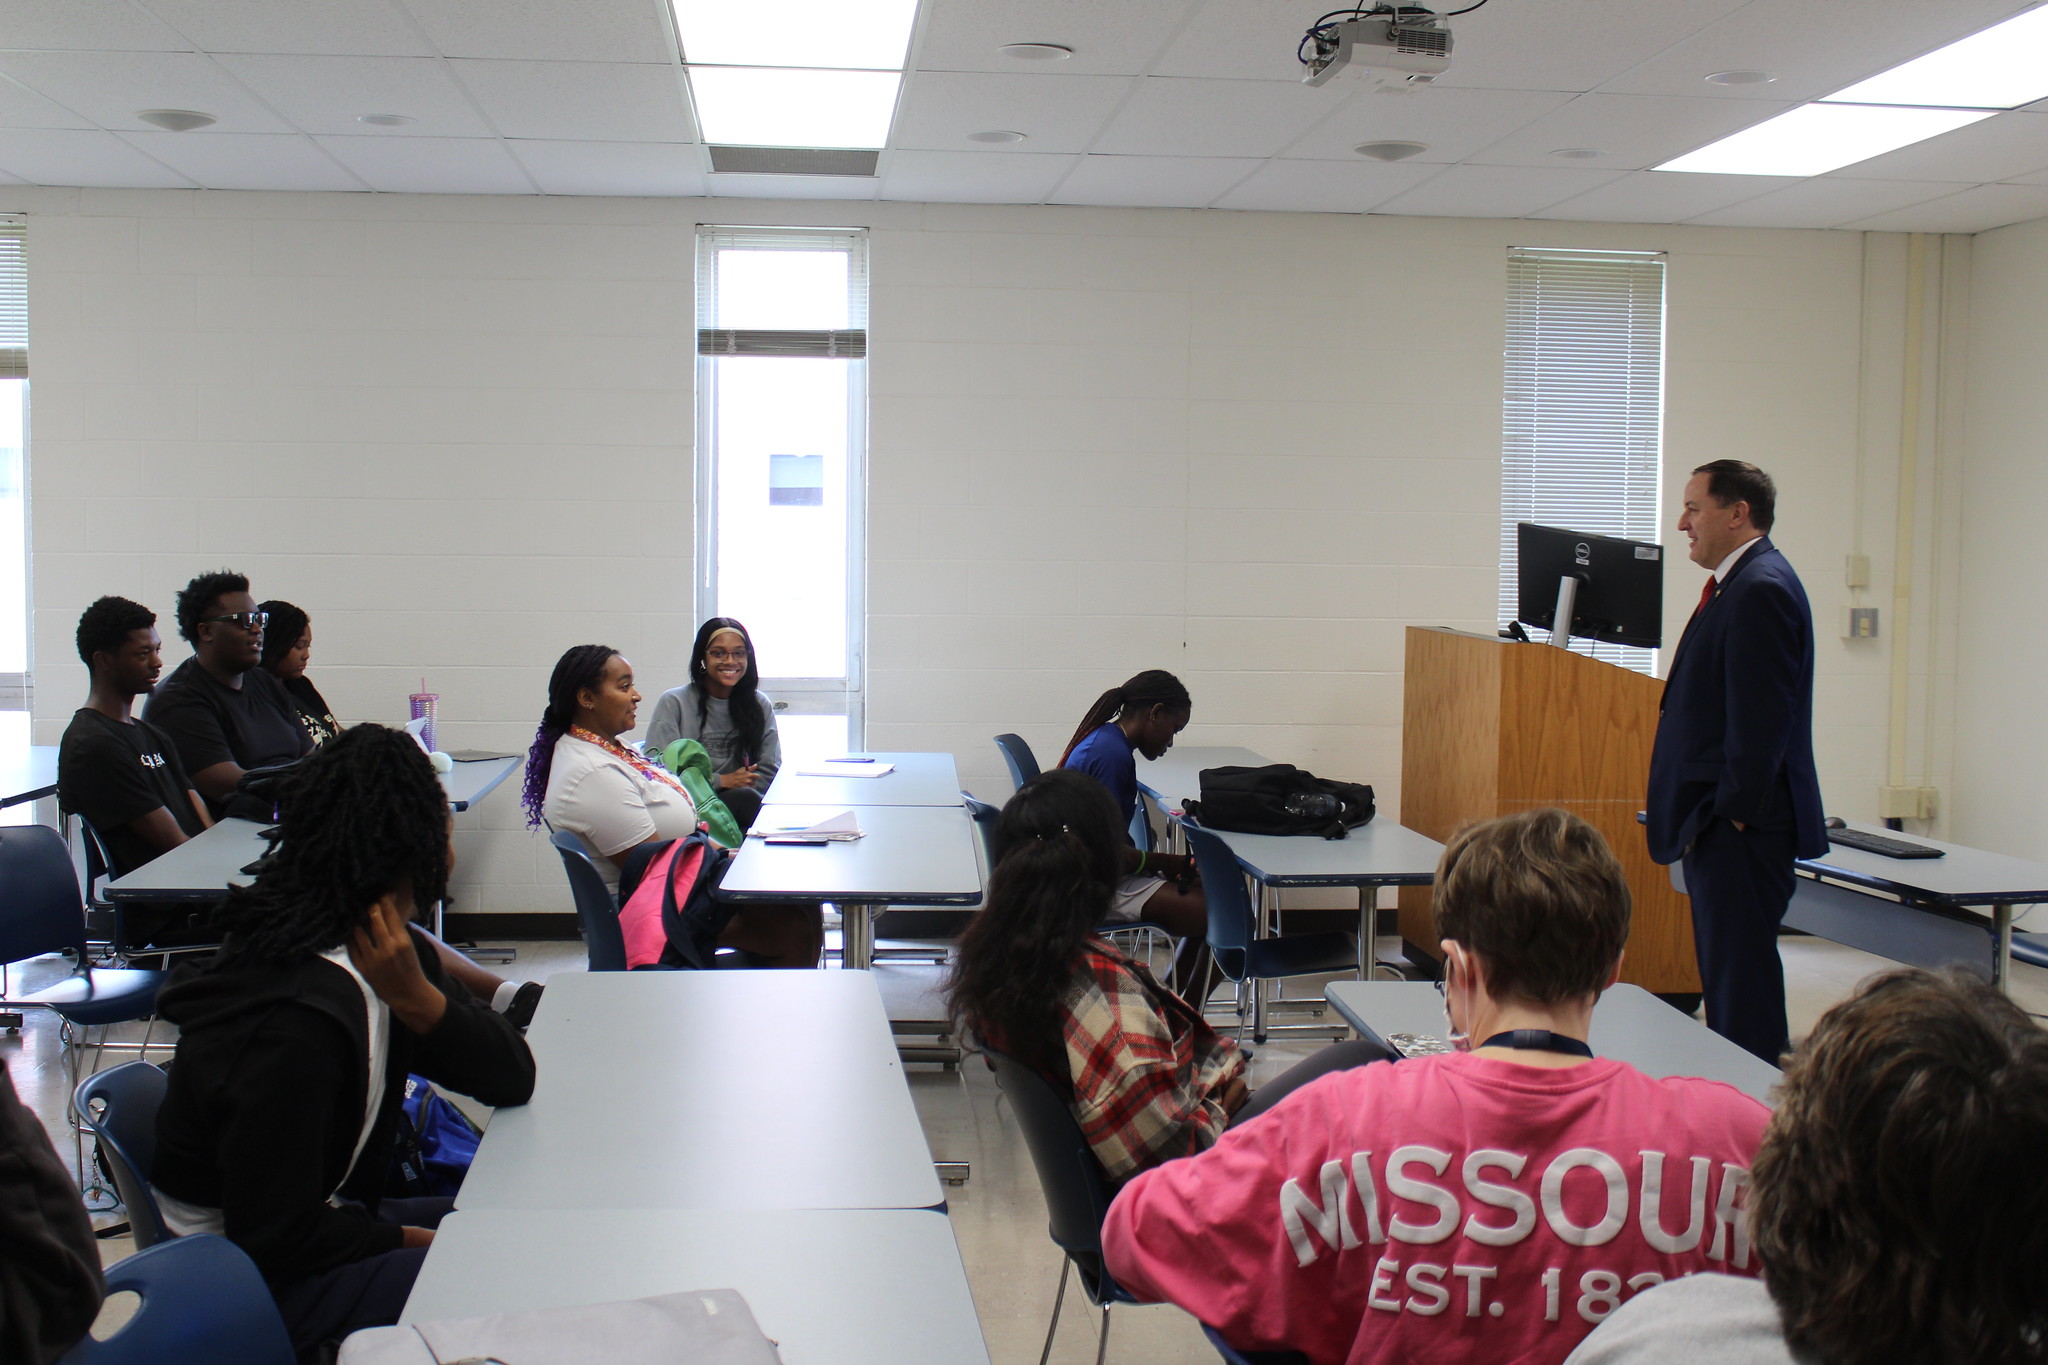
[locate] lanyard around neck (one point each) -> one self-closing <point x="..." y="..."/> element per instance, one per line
<point x="1539" y="1040"/>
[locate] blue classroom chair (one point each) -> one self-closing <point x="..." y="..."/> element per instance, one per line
<point x="597" y="913"/>
<point x="1017" y="756"/>
<point x="203" y="1303"/>
<point x="119" y="1105"/>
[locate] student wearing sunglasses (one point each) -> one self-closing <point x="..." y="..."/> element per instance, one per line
<point x="221" y="710"/>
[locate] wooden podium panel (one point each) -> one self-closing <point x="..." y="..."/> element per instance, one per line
<point x="1493" y="726"/>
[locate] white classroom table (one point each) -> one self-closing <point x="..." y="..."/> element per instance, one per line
<point x="27" y="773"/>
<point x="472" y="779"/>
<point x="708" y="1090"/>
<point x="908" y="855"/>
<point x="919" y="779"/>
<point x="830" y="1287"/>
<point x="1629" y="1025"/>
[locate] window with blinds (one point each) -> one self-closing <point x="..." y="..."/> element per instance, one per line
<point x="14" y="676"/>
<point x="1583" y="415"/>
<point x="781" y="458"/>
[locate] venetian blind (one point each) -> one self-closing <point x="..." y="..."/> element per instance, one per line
<point x="13" y="300"/>
<point x="833" y="328"/>
<point x="1583" y="416"/>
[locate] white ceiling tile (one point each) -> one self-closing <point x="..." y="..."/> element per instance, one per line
<point x="328" y="94"/>
<point x="1822" y="203"/>
<point x="1152" y="181"/>
<point x="1572" y="46"/>
<point x="61" y="156"/>
<point x="1999" y="148"/>
<point x="88" y="26"/>
<point x="356" y="28"/>
<point x="972" y="177"/>
<point x="430" y="165"/>
<point x="1453" y="123"/>
<point x="1354" y="186"/>
<point x="1659" y="197"/>
<point x="109" y="87"/>
<point x="1636" y="131"/>
<point x="2033" y="178"/>
<point x="1240" y="40"/>
<point x="1116" y="39"/>
<point x="1058" y="113"/>
<point x="1496" y="191"/>
<point x="792" y="186"/>
<point x="1172" y="116"/>
<point x="1815" y="46"/>
<point x="548" y="30"/>
<point x="246" y="161"/>
<point x="1977" y="209"/>
<point x="580" y="101"/>
<point x="633" y="169"/>
<point x="24" y="108"/>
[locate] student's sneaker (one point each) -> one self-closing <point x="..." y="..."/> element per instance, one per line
<point x="525" y="1001"/>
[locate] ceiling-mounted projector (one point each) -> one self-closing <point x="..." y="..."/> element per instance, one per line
<point x="1388" y="45"/>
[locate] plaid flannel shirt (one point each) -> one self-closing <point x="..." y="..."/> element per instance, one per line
<point x="1151" y="1079"/>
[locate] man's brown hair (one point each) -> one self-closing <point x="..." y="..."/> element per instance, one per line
<point x="1540" y="897"/>
<point x="1899" y="1200"/>
<point x="1733" y="481"/>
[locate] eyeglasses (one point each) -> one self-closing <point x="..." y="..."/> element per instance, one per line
<point x="726" y="656"/>
<point x="247" y="620"/>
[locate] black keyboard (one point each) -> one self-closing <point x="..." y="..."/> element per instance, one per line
<point x="1881" y="844"/>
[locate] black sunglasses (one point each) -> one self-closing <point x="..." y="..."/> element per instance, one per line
<point x="247" y="620"/>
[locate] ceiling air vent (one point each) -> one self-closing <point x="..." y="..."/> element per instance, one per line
<point x="794" y="160"/>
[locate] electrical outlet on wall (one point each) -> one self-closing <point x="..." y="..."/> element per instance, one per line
<point x="1859" y="623"/>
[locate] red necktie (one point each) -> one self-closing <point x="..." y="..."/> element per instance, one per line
<point x="1706" y="596"/>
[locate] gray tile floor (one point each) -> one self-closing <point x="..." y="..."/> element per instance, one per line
<point x="998" y="1215"/>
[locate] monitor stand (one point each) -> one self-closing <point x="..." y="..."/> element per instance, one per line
<point x="1561" y="622"/>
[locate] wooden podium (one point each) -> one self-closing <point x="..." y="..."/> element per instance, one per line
<point x="1493" y="726"/>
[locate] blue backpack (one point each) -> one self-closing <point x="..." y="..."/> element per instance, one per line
<point x="436" y="1143"/>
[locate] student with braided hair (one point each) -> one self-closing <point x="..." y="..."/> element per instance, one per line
<point x="296" y="1039"/>
<point x="1142" y="717"/>
<point x="581" y="777"/>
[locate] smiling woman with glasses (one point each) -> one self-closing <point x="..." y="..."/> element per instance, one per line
<point x="724" y="709"/>
<point x="223" y="712"/>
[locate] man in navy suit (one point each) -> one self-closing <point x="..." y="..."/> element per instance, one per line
<point x="1733" y="791"/>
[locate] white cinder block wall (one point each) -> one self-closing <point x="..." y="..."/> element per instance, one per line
<point x="2001" y="725"/>
<point x="1251" y="448"/>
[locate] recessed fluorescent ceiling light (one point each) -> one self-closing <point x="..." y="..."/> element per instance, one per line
<point x="1817" y="138"/>
<point x="2002" y="67"/>
<point x="870" y="35"/>
<point x="743" y="106"/>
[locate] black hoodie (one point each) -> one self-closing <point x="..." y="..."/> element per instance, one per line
<point x="266" y="1101"/>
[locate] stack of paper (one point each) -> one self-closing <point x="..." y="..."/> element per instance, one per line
<point x="833" y="829"/>
<point x="848" y="767"/>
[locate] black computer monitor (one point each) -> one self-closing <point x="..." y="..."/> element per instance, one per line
<point x="1619" y="593"/>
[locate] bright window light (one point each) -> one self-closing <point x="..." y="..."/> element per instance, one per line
<point x="1816" y="138"/>
<point x="750" y="106"/>
<point x="2002" y="67"/>
<point x="872" y="35"/>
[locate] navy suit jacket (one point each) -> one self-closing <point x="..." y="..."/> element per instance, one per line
<point x="1735" y="733"/>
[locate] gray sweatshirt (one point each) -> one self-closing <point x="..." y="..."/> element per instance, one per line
<point x="675" y="717"/>
<point x="1698" y="1319"/>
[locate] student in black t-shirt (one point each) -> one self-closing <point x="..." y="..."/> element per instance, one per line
<point x="287" y="646"/>
<point x="112" y="769"/>
<point x="225" y="714"/>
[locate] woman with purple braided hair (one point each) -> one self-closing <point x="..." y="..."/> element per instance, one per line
<point x="581" y="778"/>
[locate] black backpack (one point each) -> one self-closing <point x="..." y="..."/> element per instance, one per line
<point x="1280" y="799"/>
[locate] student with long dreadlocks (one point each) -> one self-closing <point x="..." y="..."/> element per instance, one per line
<point x="582" y="778"/>
<point x="1142" y="717"/>
<point x="295" y="1042"/>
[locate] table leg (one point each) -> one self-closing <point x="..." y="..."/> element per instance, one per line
<point x="856" y="936"/>
<point x="2001" y="960"/>
<point x="1262" y="929"/>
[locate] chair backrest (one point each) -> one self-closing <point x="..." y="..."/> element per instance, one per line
<point x="99" y="863"/>
<point x="1141" y="825"/>
<point x="1230" y="904"/>
<point x="203" y="1302"/>
<point x="40" y="911"/>
<point x="596" y="910"/>
<point x="1017" y="754"/>
<point x="1076" y="1192"/>
<point x="984" y="816"/>
<point x="119" y="1105"/>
